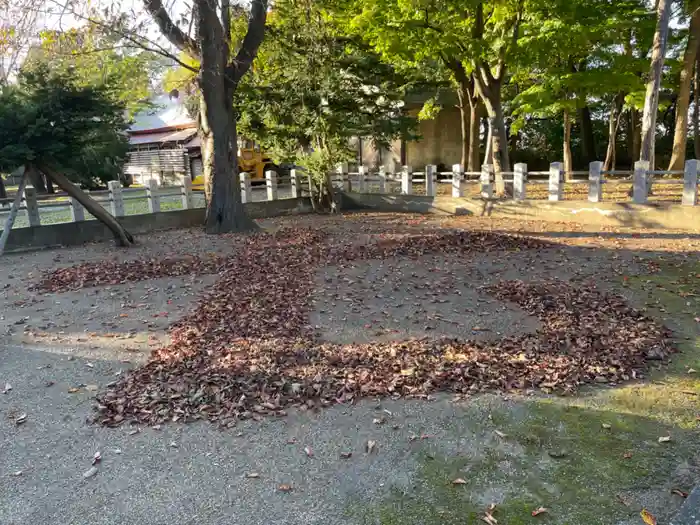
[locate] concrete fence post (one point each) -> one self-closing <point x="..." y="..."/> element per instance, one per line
<point x="407" y="180"/>
<point x="485" y="181"/>
<point x="342" y="170"/>
<point x="430" y="170"/>
<point x="271" y="184"/>
<point x="595" y="181"/>
<point x="362" y="179"/>
<point x="246" y="187"/>
<point x="520" y="181"/>
<point x="152" y="195"/>
<point x="186" y="191"/>
<point x="294" y="181"/>
<point x="457" y="178"/>
<point x="382" y="179"/>
<point x="77" y="212"/>
<point x="32" y="206"/>
<point x="116" y="198"/>
<point x="556" y="172"/>
<point x="690" y="183"/>
<point x="639" y="188"/>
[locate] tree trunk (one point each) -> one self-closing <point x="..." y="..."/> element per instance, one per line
<point x="680" y="135"/>
<point x="225" y="211"/>
<point x="36" y="179"/>
<point x="488" y="145"/>
<point x="568" y="158"/>
<point x="49" y="185"/>
<point x="651" y="100"/>
<point x="587" y="137"/>
<point x="633" y="135"/>
<point x="474" y="134"/>
<point x="121" y="236"/>
<point x="696" y="108"/>
<point x="465" y="120"/>
<point x="613" y="125"/>
<point x="3" y="190"/>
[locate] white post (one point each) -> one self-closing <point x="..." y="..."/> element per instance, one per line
<point x="457" y="177"/>
<point x="186" y="187"/>
<point x="690" y="183"/>
<point x="520" y="181"/>
<point x="595" y="183"/>
<point x="639" y="189"/>
<point x="13" y="212"/>
<point x="382" y="179"/>
<point x="77" y="212"/>
<point x="152" y="196"/>
<point x="294" y="179"/>
<point x="344" y="177"/>
<point x="32" y="206"/>
<point x="116" y="199"/>
<point x="485" y="180"/>
<point x="246" y="188"/>
<point x="555" y="176"/>
<point x="271" y="183"/>
<point x="430" y="170"/>
<point x="406" y="180"/>
<point x="362" y="179"/>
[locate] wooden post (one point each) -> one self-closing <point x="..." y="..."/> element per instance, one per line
<point x="186" y="191"/>
<point x="556" y="171"/>
<point x="32" y="206"/>
<point x="382" y="179"/>
<point x="77" y="211"/>
<point x="457" y="178"/>
<point x="520" y="181"/>
<point x="430" y="180"/>
<point x="639" y="188"/>
<point x="152" y="195"/>
<point x="690" y="183"/>
<point x="13" y="212"/>
<point x="362" y="179"/>
<point x="116" y="199"/>
<point x="271" y="184"/>
<point x="246" y="188"/>
<point x="294" y="179"/>
<point x="485" y="180"/>
<point x="595" y="182"/>
<point x="407" y="180"/>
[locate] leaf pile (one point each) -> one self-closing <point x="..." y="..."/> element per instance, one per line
<point x="247" y="349"/>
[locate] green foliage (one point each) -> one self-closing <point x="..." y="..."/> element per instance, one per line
<point x="49" y="118"/>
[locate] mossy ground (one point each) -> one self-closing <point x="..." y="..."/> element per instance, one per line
<point x="591" y="459"/>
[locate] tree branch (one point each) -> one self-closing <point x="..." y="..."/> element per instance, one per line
<point x="251" y="42"/>
<point x="514" y="41"/>
<point x="172" y="32"/>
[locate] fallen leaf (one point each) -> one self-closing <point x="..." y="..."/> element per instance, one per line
<point x="346" y="455"/>
<point x="89" y="365"/>
<point x="91" y="388"/>
<point x="488" y="518"/>
<point x="500" y="434"/>
<point x="134" y="431"/>
<point x="664" y="439"/>
<point x="371" y="446"/>
<point x="90" y="472"/>
<point x="539" y="510"/>
<point x="285" y="488"/>
<point x="378" y="420"/>
<point x="459" y="481"/>
<point x="7" y="388"/>
<point x="648" y="517"/>
<point x="627" y="455"/>
<point x="252" y="475"/>
<point x="96" y="458"/>
<point x="309" y="452"/>
<point x="691" y="371"/>
<point x="680" y="493"/>
<point x="606" y="426"/>
<point x="73" y="389"/>
<point x="17" y="473"/>
<point x="21" y="419"/>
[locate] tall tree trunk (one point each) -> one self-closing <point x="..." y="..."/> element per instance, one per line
<point x="491" y="96"/>
<point x="587" y="137"/>
<point x="633" y="134"/>
<point x="613" y="125"/>
<point x="474" y="134"/>
<point x="680" y="135"/>
<point x="568" y="158"/>
<point x="3" y="190"/>
<point x="488" y="143"/>
<point x="121" y="236"/>
<point x="225" y="211"/>
<point x="651" y="100"/>
<point x="696" y="108"/>
<point x="465" y="113"/>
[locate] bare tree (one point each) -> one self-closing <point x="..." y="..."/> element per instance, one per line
<point x="19" y="21"/>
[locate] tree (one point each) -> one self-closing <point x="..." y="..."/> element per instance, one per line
<point x="219" y="73"/>
<point x="680" y="135"/>
<point x="651" y="101"/>
<point x="67" y="132"/>
<point x="312" y="89"/>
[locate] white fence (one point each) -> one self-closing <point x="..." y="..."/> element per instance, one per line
<point x="520" y="180"/>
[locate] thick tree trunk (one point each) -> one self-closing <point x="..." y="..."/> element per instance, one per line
<point x="696" y="108"/>
<point x="474" y="134"/>
<point x="3" y="190"/>
<point x="464" y="118"/>
<point x="651" y="100"/>
<point x="680" y="135"/>
<point x="225" y="211"/>
<point x="587" y="137"/>
<point x="613" y="125"/>
<point x="121" y="236"/>
<point x="633" y="135"/>
<point x="568" y="158"/>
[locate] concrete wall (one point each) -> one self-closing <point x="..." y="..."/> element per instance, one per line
<point x="653" y="216"/>
<point x="440" y="143"/>
<point x="72" y="233"/>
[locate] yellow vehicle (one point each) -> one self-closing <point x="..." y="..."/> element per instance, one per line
<point x="250" y="160"/>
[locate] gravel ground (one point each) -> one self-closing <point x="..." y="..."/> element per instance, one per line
<point x="199" y="474"/>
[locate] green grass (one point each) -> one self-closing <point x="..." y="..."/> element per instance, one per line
<point x="595" y="470"/>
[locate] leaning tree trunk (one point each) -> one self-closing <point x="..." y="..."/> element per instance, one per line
<point x="568" y="157"/>
<point x="121" y="236"/>
<point x="225" y="211"/>
<point x="36" y="179"/>
<point x="680" y="135"/>
<point x="651" y="100"/>
<point x="613" y="125"/>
